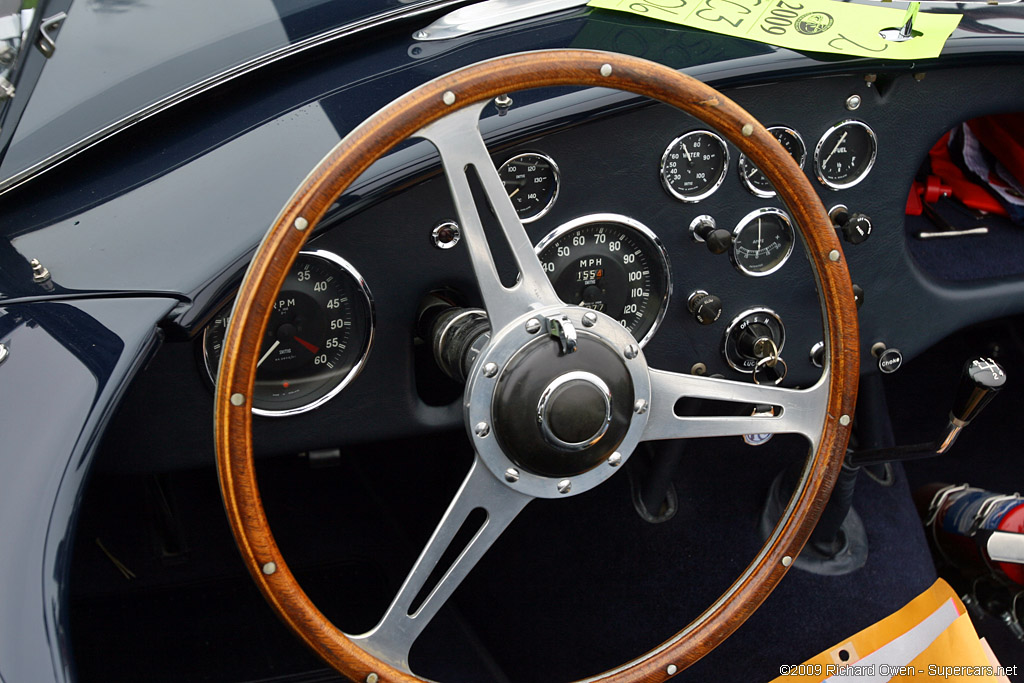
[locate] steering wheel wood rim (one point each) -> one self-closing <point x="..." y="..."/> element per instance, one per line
<point x="371" y="140"/>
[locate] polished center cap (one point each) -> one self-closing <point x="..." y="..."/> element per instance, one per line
<point x="575" y="410"/>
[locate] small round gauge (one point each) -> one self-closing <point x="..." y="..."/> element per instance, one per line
<point x="694" y="165"/>
<point x="531" y="181"/>
<point x="316" y="340"/>
<point x="762" y="242"/>
<point x="612" y="264"/>
<point x="751" y="175"/>
<point x="845" y="154"/>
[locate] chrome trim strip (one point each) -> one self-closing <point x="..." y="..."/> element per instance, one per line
<point x="491" y="14"/>
<point x="219" y="79"/>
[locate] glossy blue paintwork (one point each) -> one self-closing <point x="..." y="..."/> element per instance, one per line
<point x="141" y="189"/>
<point x="173" y="207"/>
<point x="66" y="371"/>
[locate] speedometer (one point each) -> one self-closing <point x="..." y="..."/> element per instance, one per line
<point x="611" y="264"/>
<point x="316" y="340"/>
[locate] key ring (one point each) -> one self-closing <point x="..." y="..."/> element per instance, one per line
<point x="767" y="362"/>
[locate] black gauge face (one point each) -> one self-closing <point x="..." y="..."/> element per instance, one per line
<point x="531" y="181"/>
<point x="316" y="340"/>
<point x="762" y="242"/>
<point x="751" y="175"/>
<point x="611" y="264"/>
<point x="845" y="154"/>
<point x="694" y="165"/>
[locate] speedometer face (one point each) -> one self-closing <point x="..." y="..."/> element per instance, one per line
<point x="762" y="242"/>
<point x="694" y="165"/>
<point x="611" y="264"/>
<point x="751" y="175"/>
<point x="845" y="154"/>
<point x="531" y="181"/>
<point x="316" y="341"/>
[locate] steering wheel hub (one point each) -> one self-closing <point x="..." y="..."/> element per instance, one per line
<point x="552" y="415"/>
<point x="575" y="410"/>
<point x="561" y="415"/>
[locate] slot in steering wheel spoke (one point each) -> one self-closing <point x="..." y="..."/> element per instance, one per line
<point x="410" y="612"/>
<point x="458" y="141"/>
<point x="803" y="410"/>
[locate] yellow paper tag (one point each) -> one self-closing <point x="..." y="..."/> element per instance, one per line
<point x="818" y="25"/>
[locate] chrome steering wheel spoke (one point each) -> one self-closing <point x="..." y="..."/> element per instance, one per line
<point x="803" y="410"/>
<point x="409" y="613"/>
<point x="458" y="141"/>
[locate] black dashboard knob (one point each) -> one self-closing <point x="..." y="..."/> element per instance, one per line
<point x="856" y="228"/>
<point x="705" y="308"/>
<point x="717" y="240"/>
<point x="858" y="295"/>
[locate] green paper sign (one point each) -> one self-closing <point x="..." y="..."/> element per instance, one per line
<point x="817" y="25"/>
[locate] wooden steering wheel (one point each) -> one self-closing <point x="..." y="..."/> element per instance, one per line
<point x="608" y="371"/>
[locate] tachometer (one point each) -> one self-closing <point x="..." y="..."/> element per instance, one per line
<point x="612" y="264"/>
<point x="316" y="341"/>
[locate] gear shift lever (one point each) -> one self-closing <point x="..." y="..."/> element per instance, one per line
<point x="981" y="379"/>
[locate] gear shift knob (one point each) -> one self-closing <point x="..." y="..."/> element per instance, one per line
<point x="981" y="379"/>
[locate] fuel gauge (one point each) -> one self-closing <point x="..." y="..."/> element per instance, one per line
<point x="762" y="242"/>
<point x="845" y="154"/>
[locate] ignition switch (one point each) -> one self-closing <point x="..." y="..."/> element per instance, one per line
<point x="754" y="340"/>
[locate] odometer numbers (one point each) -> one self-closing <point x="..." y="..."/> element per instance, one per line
<point x="611" y="264"/>
<point x="694" y="165"/>
<point x="531" y="181"/>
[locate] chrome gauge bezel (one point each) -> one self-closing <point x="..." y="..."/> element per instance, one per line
<point x="659" y="250"/>
<point x="743" y="160"/>
<point x="367" y="299"/>
<point x="692" y="199"/>
<point x="744" y="222"/>
<point x="557" y="176"/>
<point x="862" y="174"/>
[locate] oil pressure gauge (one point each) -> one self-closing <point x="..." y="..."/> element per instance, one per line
<point x="845" y="154"/>
<point x="762" y="242"/>
<point x="751" y="175"/>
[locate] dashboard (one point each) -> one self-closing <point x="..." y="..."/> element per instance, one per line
<point x="635" y="209"/>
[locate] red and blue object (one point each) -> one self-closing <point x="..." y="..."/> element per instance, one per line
<point x="957" y="518"/>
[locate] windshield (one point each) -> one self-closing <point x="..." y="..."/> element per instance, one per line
<point x="115" y="58"/>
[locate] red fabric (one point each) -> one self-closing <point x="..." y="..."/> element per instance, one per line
<point x="1003" y="136"/>
<point x="968" y="192"/>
